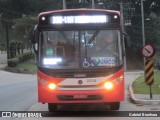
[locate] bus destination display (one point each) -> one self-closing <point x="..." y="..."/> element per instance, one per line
<point x="83" y="19"/>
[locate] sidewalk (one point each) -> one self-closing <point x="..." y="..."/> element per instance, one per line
<point x="3" y="60"/>
<point x="144" y="99"/>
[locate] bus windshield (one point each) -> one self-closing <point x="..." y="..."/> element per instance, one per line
<point x="80" y="49"/>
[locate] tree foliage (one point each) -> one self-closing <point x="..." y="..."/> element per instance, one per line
<point x="29" y="6"/>
<point x="24" y="25"/>
<point x="155" y="29"/>
<point x="151" y="13"/>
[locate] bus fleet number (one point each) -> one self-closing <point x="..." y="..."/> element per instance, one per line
<point x="91" y="80"/>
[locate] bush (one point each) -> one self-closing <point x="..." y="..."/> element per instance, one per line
<point x="25" y="57"/>
<point x="20" y="58"/>
<point x="13" y="62"/>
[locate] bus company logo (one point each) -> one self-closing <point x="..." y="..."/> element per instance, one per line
<point x="95" y="61"/>
<point x="103" y="61"/>
<point x="80" y="82"/>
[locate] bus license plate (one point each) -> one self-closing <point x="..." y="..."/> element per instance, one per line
<point x="80" y="96"/>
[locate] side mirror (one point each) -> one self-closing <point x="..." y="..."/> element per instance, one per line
<point x="126" y="40"/>
<point x="35" y="35"/>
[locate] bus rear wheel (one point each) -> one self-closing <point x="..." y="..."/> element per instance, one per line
<point x="115" y="106"/>
<point x="52" y="107"/>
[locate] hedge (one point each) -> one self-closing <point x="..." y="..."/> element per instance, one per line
<point x="13" y="62"/>
<point x="20" y="58"/>
<point x="25" y="56"/>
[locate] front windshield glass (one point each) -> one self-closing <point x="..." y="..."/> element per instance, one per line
<point x="80" y="49"/>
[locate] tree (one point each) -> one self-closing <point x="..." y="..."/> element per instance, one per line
<point x="2" y="38"/>
<point x="102" y="4"/>
<point x="155" y="29"/>
<point x="150" y="10"/>
<point x="29" y="7"/>
<point x="24" y="26"/>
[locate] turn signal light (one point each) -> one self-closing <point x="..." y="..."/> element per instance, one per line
<point x="52" y="86"/>
<point x="108" y="85"/>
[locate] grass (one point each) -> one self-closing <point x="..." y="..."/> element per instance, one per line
<point x="28" y="66"/>
<point x="140" y="87"/>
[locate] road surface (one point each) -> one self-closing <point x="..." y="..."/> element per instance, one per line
<point x="18" y="91"/>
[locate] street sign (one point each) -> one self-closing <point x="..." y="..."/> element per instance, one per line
<point x="149" y="72"/>
<point x="148" y="51"/>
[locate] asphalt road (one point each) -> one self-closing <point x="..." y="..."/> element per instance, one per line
<point x="18" y="92"/>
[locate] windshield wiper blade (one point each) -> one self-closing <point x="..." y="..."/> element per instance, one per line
<point x="65" y="37"/>
<point x="93" y="37"/>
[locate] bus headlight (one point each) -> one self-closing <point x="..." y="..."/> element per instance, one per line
<point x="47" y="84"/>
<point x="108" y="85"/>
<point x="52" y="86"/>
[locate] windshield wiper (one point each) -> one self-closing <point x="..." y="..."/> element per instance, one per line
<point x="65" y="37"/>
<point x="92" y="38"/>
<point x="89" y="42"/>
<point x="85" y="43"/>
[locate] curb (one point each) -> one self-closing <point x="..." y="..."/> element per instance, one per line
<point x="141" y="101"/>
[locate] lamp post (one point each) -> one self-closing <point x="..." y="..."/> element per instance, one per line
<point x="93" y="4"/>
<point x="122" y="24"/>
<point x="143" y="32"/>
<point x="64" y="4"/>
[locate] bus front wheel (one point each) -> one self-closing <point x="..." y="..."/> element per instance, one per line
<point x="115" y="106"/>
<point x="52" y="107"/>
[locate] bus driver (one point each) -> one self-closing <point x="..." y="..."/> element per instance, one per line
<point x="105" y="43"/>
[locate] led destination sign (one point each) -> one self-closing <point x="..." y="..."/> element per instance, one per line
<point x="84" y="19"/>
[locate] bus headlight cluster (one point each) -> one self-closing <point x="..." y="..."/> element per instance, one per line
<point x="47" y="85"/>
<point x="109" y="85"/>
<point x="52" y="86"/>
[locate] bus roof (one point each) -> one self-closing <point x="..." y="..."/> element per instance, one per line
<point x="82" y="9"/>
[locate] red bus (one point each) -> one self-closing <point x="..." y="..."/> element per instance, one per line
<point x="79" y="57"/>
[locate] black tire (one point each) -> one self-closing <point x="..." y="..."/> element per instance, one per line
<point x="52" y="107"/>
<point x="115" y="106"/>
